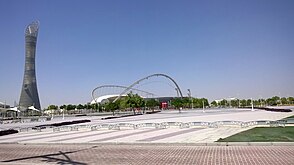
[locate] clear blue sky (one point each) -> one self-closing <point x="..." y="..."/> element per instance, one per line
<point x="216" y="48"/>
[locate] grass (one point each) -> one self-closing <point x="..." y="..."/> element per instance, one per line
<point x="290" y="117"/>
<point x="263" y="134"/>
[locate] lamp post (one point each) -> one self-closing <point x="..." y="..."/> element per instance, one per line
<point x="191" y="99"/>
<point x="5" y="114"/>
<point x="252" y="109"/>
<point x="177" y="92"/>
<point x="62" y="114"/>
<point x="203" y="105"/>
<point x="51" y="114"/>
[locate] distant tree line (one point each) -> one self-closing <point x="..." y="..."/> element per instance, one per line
<point x="273" y="101"/>
<point x="134" y="102"/>
<point x="191" y="102"/>
<point x="130" y="102"/>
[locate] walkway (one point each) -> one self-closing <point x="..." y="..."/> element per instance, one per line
<point x="145" y="154"/>
<point x="146" y="135"/>
<point x="150" y="135"/>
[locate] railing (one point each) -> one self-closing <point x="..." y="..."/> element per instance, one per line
<point x="277" y="123"/>
<point x="163" y="125"/>
<point x="65" y="128"/>
<point x="25" y="120"/>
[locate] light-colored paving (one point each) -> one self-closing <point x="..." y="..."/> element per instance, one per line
<point x="146" y="135"/>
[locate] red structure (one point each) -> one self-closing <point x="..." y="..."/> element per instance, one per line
<point x="163" y="105"/>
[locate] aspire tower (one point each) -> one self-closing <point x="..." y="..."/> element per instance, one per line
<point x="29" y="92"/>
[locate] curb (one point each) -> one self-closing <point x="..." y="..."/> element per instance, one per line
<point x="171" y="144"/>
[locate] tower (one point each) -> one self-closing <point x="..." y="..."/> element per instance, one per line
<point x="29" y="92"/>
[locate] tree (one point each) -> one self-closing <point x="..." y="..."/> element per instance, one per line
<point x="235" y="103"/>
<point x="152" y="103"/>
<point x="70" y="107"/>
<point x="275" y="100"/>
<point x="123" y="103"/>
<point x="290" y="100"/>
<point x="269" y="101"/>
<point x="214" y="103"/>
<point x="284" y="100"/>
<point x="248" y="102"/>
<point x="112" y="106"/>
<point x="62" y="107"/>
<point x="256" y="103"/>
<point x="52" y="107"/>
<point x="177" y="103"/>
<point x="88" y="106"/>
<point x="204" y="102"/>
<point x="134" y="101"/>
<point x="80" y="106"/>
<point x="243" y="103"/>
<point x="261" y="102"/>
<point x="197" y="103"/>
<point x="186" y="102"/>
<point x="223" y="102"/>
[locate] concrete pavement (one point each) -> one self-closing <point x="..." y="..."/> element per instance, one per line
<point x="147" y="135"/>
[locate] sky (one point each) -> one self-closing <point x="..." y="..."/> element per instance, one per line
<point x="216" y="48"/>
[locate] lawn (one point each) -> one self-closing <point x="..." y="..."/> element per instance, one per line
<point x="263" y="134"/>
<point x="290" y="117"/>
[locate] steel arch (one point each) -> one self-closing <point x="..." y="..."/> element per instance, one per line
<point x="153" y="75"/>
<point x="117" y="86"/>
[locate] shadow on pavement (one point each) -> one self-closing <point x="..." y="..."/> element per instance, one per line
<point x="53" y="158"/>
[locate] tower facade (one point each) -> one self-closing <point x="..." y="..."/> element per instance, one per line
<point x="29" y="92"/>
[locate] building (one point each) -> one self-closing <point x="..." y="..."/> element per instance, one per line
<point x="164" y="101"/>
<point x="227" y="99"/>
<point x="104" y="99"/>
<point x="4" y="105"/>
<point x="29" y="92"/>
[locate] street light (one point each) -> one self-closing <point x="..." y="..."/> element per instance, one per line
<point x="177" y="92"/>
<point x="190" y="95"/>
<point x="252" y="109"/>
<point x="203" y="105"/>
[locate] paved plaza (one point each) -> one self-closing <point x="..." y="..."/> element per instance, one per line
<point x="145" y="134"/>
<point x="146" y="145"/>
<point x="145" y="154"/>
